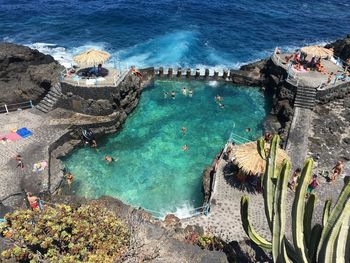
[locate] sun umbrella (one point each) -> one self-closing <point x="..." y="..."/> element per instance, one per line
<point x="317" y="51"/>
<point x="92" y="57"/>
<point x="247" y="158"/>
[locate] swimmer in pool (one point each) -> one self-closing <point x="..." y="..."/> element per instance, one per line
<point x="173" y="94"/>
<point x="190" y="93"/>
<point x="184" y="130"/>
<point x="184" y="91"/>
<point x="166" y="94"/>
<point x="109" y="159"/>
<point x="185" y="148"/>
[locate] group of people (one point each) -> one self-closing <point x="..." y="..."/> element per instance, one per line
<point x="336" y="171"/>
<point x="183" y="91"/>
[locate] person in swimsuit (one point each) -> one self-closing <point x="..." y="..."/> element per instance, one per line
<point x="166" y="94"/>
<point x="184" y="130"/>
<point x="173" y="94"/>
<point x="185" y="148"/>
<point x="293" y="183"/>
<point x="69" y="178"/>
<point x="19" y="160"/>
<point x="184" y="91"/>
<point x="312" y="186"/>
<point x="109" y="159"/>
<point x="33" y="201"/>
<point x="337" y="170"/>
<point x="190" y="93"/>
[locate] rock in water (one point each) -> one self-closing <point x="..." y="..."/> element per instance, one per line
<point x="25" y="73"/>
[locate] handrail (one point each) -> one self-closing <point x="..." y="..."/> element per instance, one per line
<point x="9" y="107"/>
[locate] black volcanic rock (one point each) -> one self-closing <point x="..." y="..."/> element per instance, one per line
<point x="341" y="47"/>
<point x="25" y="73"/>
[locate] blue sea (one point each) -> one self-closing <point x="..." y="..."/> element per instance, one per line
<point x="192" y="33"/>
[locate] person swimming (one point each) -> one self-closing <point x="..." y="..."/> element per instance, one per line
<point x="185" y="148"/>
<point x="184" y="91"/>
<point x="248" y="129"/>
<point x="109" y="159"/>
<point x="221" y="105"/>
<point x="184" y="130"/>
<point x="218" y="98"/>
<point x="173" y="94"/>
<point x="190" y="93"/>
<point x="166" y="94"/>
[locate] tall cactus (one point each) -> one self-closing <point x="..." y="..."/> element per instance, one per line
<point x="324" y="243"/>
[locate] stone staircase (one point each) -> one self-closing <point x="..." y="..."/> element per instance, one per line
<point x="51" y="98"/>
<point x="305" y="98"/>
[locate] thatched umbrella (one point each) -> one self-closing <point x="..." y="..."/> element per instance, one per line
<point x="247" y="158"/>
<point x="317" y="51"/>
<point x="92" y="57"/>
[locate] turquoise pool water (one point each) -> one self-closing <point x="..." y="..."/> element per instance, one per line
<point x="151" y="169"/>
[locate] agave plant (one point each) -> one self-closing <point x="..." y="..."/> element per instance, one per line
<point x="324" y="243"/>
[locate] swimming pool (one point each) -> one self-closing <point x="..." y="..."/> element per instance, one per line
<point x="151" y="169"/>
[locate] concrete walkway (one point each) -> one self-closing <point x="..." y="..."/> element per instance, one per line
<point x="297" y="143"/>
<point x="224" y="218"/>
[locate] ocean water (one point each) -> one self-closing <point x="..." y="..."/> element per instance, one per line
<point x="222" y="34"/>
<point x="151" y="169"/>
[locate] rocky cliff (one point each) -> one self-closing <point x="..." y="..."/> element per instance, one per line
<point x="25" y="74"/>
<point x="341" y="47"/>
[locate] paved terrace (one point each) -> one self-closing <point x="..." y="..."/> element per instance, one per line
<point x="47" y="129"/>
<point x="311" y="78"/>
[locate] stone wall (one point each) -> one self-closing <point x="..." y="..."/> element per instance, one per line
<point x="331" y="94"/>
<point x="101" y="100"/>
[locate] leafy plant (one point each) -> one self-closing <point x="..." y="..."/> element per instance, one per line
<point x="62" y="234"/>
<point x="209" y="241"/>
<point x="319" y="243"/>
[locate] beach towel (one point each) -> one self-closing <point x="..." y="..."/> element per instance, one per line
<point x="24" y="132"/>
<point x="12" y="136"/>
<point x="40" y="166"/>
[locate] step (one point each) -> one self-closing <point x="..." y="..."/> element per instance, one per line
<point x="46" y="104"/>
<point x="310" y="105"/>
<point x="51" y="97"/>
<point x="304" y="99"/>
<point x="41" y="108"/>
<point x="305" y="96"/>
<point x="49" y="100"/>
<point x="305" y="92"/>
<point x="302" y="105"/>
<point x="304" y="102"/>
<point x="57" y="93"/>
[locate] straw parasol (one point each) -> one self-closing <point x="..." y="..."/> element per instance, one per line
<point x="92" y="57"/>
<point x="247" y="158"/>
<point x="317" y="51"/>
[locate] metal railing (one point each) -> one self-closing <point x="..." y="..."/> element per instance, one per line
<point x="75" y="79"/>
<point x="202" y="210"/>
<point x="6" y="108"/>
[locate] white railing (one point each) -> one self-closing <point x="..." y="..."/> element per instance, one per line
<point x="6" y="108"/>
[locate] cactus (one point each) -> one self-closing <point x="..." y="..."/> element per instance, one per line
<point x="324" y="243"/>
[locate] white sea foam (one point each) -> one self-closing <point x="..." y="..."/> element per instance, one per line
<point x="184" y="210"/>
<point x="169" y="50"/>
<point x="213" y="83"/>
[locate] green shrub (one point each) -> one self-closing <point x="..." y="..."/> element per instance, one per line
<point x="62" y="234"/>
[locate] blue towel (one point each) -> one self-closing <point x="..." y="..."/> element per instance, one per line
<point x="24" y="132"/>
